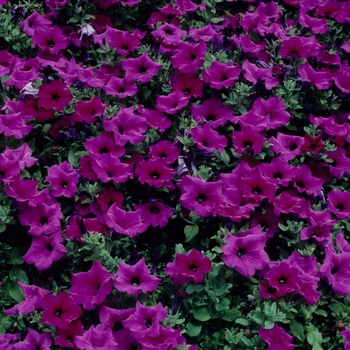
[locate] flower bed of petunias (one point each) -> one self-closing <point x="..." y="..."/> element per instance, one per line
<point x="174" y="174"/>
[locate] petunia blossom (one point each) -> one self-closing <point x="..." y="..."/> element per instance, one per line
<point x="189" y="267"/>
<point x="276" y="338"/>
<point x="135" y="279"/>
<point x="91" y="288"/>
<point x="246" y="253"/>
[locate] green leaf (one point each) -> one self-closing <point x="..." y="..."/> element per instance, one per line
<point x="201" y="314"/>
<point x="14" y="256"/>
<point x="190" y="232"/>
<point x="16" y="292"/>
<point x="16" y="274"/>
<point x="194" y="288"/>
<point x="193" y="329"/>
<point x="222" y="305"/>
<point x="231" y="315"/>
<point x="297" y="329"/>
<point x="313" y="336"/>
<point x="268" y="324"/>
<point x="242" y="321"/>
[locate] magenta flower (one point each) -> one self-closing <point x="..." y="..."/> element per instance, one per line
<point x="65" y="337"/>
<point x="288" y="202"/>
<point x="189" y="57"/>
<point x="340" y="164"/>
<point x="288" y="146"/>
<point x="276" y="338"/>
<point x="102" y="144"/>
<point x="278" y="171"/>
<point x="208" y="139"/>
<point x="336" y="269"/>
<point x="8" y="169"/>
<point x="252" y="73"/>
<point x="199" y="196"/>
<point x="96" y="339"/>
<point x="112" y="319"/>
<point x="145" y="321"/>
<point x="154" y="213"/>
<point x="34" y="22"/>
<point x="23" y="190"/>
<point x="221" y="75"/>
<point x="13" y="124"/>
<point x="346" y="335"/>
<point x="189" y="267"/>
<point x="213" y="111"/>
<point x="42" y="219"/>
<point x="63" y="180"/>
<point x="141" y="69"/>
<point x="302" y="47"/>
<point x="248" y="139"/>
<point x="339" y="203"/>
<point x="59" y="310"/>
<point x="33" y="296"/>
<point x="188" y="84"/>
<point x="125" y="222"/>
<point x="246" y="253"/>
<point x="303" y="181"/>
<point x="166" y="150"/>
<point x="45" y="250"/>
<point x="88" y="111"/>
<point x="22" y="155"/>
<point x="121" y="87"/>
<point x="91" y="288"/>
<point x="155" y="172"/>
<point x="55" y="95"/>
<point x="155" y="119"/>
<point x="127" y="127"/>
<point x="8" y="341"/>
<point x="34" y="341"/>
<point x="169" y="34"/>
<point x="110" y="168"/>
<point x="135" y="279"/>
<point x="284" y="278"/>
<point x="321" y="79"/>
<point x="172" y="103"/>
<point x="50" y="39"/>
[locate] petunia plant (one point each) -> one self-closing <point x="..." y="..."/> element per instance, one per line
<point x="174" y="174"/>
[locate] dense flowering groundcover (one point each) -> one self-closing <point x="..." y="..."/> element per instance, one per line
<point x="174" y="174"/>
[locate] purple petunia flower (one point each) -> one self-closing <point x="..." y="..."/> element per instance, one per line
<point x="34" y="341"/>
<point x="276" y="338"/>
<point x="246" y="253"/>
<point x="8" y="341"/>
<point x="59" y="310"/>
<point x="336" y="269"/>
<point x="112" y="319"/>
<point x="221" y="75"/>
<point x="189" y="267"/>
<point x="172" y="103"/>
<point x="154" y="213"/>
<point x="206" y="138"/>
<point x="155" y="172"/>
<point x="135" y="279"/>
<point x="45" y="250"/>
<point x="339" y="203"/>
<point x="125" y="222"/>
<point x="145" y="321"/>
<point x="189" y="57"/>
<point x="50" y="39"/>
<point x="96" y="339"/>
<point x="141" y="69"/>
<point x="63" y="180"/>
<point x="55" y="95"/>
<point x="91" y="288"/>
<point x="33" y="296"/>
<point x="199" y="196"/>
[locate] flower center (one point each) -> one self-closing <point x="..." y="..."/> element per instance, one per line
<point x="241" y="252"/>
<point x="155" y="210"/>
<point x="49" y="248"/>
<point x="340" y="206"/>
<point x="334" y="270"/>
<point x="256" y="190"/>
<point x="43" y="221"/>
<point x="117" y="327"/>
<point x="142" y="69"/>
<point x="282" y="280"/>
<point x="135" y="281"/>
<point x="201" y="198"/>
<point x="193" y="267"/>
<point x="154" y="175"/>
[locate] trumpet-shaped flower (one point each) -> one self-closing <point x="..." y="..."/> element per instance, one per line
<point x="189" y="267"/>
<point x="91" y="288"/>
<point x="135" y="279"/>
<point x="246" y="253"/>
